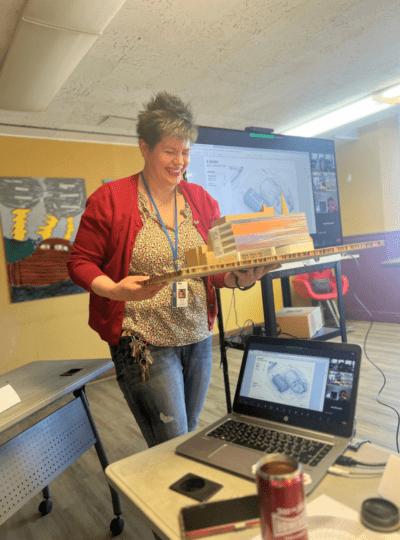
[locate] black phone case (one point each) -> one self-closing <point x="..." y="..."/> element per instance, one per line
<point x="219" y="516"/>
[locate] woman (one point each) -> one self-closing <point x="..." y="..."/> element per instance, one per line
<point x="140" y="226"/>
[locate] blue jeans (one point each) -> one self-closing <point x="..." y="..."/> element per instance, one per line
<point x="170" y="402"/>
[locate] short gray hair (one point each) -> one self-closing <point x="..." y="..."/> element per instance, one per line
<point x="166" y="115"/>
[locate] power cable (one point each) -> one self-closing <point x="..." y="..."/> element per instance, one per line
<point x="370" y="361"/>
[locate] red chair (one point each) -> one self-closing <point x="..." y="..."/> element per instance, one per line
<point x="321" y="286"/>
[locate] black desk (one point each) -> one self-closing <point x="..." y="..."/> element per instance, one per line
<point x="392" y="263"/>
<point x="289" y="269"/>
<point x="283" y="273"/>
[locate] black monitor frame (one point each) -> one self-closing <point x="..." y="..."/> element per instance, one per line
<point x="326" y="221"/>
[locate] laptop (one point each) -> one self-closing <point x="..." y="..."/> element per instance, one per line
<point x="293" y="396"/>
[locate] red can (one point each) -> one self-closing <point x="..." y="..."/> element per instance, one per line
<point x="281" y="498"/>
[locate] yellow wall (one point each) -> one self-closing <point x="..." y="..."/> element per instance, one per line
<point x="368" y="176"/>
<point x="389" y="152"/>
<point x="56" y="328"/>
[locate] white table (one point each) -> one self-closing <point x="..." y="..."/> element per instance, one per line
<point x="143" y="482"/>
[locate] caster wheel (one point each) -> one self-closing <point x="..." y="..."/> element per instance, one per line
<point x="117" y="526"/>
<point x="45" y="507"/>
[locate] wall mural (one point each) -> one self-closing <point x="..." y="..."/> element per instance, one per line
<point x="39" y="219"/>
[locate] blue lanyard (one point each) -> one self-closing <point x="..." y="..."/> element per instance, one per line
<point x="174" y="249"/>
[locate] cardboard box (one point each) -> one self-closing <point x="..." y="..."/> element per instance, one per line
<point x="301" y="322"/>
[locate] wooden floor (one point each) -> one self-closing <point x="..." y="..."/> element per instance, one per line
<point x="82" y="508"/>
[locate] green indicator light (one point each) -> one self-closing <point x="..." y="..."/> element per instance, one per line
<point x="262" y="136"/>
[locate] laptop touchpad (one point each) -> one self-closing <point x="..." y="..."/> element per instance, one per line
<point x="236" y="458"/>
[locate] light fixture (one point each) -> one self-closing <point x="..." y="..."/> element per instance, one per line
<point x="391" y="95"/>
<point x="50" y="41"/>
<point x="345" y="115"/>
<point x="336" y="119"/>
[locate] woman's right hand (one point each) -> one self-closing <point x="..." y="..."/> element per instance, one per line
<point x="127" y="290"/>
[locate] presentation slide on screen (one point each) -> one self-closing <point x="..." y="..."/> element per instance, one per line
<point x="283" y="382"/>
<point x="242" y="182"/>
<point x="298" y="382"/>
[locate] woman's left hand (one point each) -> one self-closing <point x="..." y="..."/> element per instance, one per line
<point x="245" y="279"/>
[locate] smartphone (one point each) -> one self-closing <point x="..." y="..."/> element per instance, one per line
<point x="216" y="517"/>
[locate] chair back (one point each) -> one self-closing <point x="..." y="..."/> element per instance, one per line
<point x="319" y="285"/>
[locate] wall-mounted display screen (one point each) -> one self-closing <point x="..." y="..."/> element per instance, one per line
<point x="243" y="170"/>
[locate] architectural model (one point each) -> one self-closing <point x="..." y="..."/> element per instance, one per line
<point x="256" y="235"/>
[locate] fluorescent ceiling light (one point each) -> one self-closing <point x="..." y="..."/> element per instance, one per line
<point x="341" y="117"/>
<point x="391" y="92"/>
<point x="391" y="95"/>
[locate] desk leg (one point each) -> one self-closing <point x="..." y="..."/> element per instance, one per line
<point x="268" y="306"/>
<point x="224" y="360"/>
<point x="117" y="524"/>
<point x="338" y="275"/>
<point x="286" y="296"/>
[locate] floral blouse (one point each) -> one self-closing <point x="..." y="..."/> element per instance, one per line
<point x="155" y="320"/>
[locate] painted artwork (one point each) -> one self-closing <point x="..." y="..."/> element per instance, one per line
<point x="39" y="220"/>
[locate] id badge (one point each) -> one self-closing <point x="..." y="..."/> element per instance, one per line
<point x="180" y="294"/>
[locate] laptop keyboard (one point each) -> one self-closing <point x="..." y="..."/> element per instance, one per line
<point x="307" y="451"/>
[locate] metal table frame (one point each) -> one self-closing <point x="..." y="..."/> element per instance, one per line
<point x="44" y="447"/>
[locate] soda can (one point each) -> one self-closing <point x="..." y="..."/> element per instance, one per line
<point x="281" y="498"/>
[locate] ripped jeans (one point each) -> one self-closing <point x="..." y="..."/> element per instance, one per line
<point x="170" y="403"/>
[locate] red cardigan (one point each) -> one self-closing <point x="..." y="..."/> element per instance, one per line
<point x="105" y="240"/>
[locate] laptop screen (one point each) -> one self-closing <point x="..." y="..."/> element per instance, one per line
<point x="304" y="383"/>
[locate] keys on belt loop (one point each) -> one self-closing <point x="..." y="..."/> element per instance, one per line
<point x="140" y="353"/>
<point x="145" y="361"/>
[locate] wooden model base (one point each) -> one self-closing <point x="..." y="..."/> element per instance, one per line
<point x="201" y="271"/>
